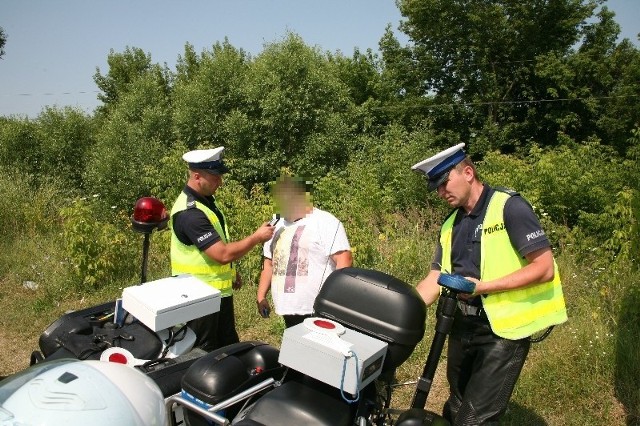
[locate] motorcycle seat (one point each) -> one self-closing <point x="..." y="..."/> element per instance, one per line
<point x="298" y="403"/>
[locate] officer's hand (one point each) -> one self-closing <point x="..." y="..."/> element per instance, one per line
<point x="265" y="232"/>
<point x="237" y="284"/>
<point x="465" y="296"/>
<point x="263" y="308"/>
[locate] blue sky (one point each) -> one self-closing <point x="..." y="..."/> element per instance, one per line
<point x="54" y="47"/>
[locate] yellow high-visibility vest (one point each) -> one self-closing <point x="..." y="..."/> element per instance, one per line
<point x="513" y="314"/>
<point x="188" y="259"/>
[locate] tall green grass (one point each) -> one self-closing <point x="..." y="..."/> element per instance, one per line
<point x="586" y="372"/>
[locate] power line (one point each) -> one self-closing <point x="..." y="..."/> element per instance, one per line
<point x="531" y="101"/>
<point x="80" y="92"/>
<point x="476" y="103"/>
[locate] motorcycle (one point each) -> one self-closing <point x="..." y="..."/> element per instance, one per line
<point x="156" y="338"/>
<point x="336" y="368"/>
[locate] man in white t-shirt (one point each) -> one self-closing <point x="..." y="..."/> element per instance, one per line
<point x="308" y="244"/>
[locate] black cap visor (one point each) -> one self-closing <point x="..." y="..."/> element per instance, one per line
<point x="434" y="183"/>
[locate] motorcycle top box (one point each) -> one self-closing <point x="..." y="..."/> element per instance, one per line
<point x="376" y="304"/>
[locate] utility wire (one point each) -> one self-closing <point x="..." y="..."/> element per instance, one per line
<point x="50" y="93"/>
<point x="532" y="101"/>
<point x="476" y="103"/>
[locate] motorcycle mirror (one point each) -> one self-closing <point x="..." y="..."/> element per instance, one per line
<point x="149" y="213"/>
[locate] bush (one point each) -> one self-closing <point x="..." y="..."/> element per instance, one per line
<point x="577" y="190"/>
<point x="20" y="147"/>
<point x="66" y="136"/>
<point x="245" y="213"/>
<point x="133" y="137"/>
<point x="166" y="176"/>
<point x="25" y="208"/>
<point x="100" y="253"/>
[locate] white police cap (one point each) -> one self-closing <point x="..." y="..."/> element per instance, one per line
<point x="436" y="168"/>
<point x="206" y="159"/>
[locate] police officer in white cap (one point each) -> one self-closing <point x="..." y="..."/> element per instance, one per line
<point x="200" y="244"/>
<point x="493" y="238"/>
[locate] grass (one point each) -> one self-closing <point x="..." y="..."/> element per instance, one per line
<point x="586" y="372"/>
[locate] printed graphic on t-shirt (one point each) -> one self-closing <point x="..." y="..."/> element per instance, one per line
<point x="290" y="267"/>
<point x="300" y="254"/>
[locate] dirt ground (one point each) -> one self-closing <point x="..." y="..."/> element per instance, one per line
<point x="15" y="351"/>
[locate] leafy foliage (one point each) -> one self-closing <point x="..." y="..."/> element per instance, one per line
<point x="294" y="116"/>
<point x="66" y="135"/>
<point x="20" y="146"/>
<point x="3" y="41"/>
<point x="27" y="209"/>
<point x="99" y="252"/>
<point x="135" y="134"/>
<point x="477" y="65"/>
<point x="124" y="69"/>
<point x="207" y="91"/>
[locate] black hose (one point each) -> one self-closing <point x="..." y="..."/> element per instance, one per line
<point x="542" y="336"/>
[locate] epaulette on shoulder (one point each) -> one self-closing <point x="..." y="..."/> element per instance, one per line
<point x="191" y="201"/>
<point x="509" y="191"/>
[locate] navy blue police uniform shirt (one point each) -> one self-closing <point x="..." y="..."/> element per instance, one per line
<point x="192" y="226"/>
<point x="522" y="224"/>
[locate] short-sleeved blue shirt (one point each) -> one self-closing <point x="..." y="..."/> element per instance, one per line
<point x="192" y="226"/>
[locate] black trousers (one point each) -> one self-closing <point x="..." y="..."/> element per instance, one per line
<point x="291" y="320"/>
<point x="482" y="370"/>
<point x="216" y="330"/>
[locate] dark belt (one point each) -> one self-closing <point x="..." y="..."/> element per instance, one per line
<point x="471" y="310"/>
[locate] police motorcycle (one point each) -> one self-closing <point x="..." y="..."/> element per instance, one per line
<point x="336" y="368"/>
<point x="333" y="369"/>
<point x="156" y="337"/>
<point x="71" y="392"/>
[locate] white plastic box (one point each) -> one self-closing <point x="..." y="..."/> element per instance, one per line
<point x="319" y="350"/>
<point x="169" y="301"/>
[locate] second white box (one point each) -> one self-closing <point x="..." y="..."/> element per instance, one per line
<point x="319" y="353"/>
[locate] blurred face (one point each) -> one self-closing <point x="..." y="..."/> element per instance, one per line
<point x="290" y="201"/>
<point x="457" y="188"/>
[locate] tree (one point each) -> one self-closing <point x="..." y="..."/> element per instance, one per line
<point x="66" y="136"/>
<point x="611" y="71"/>
<point x="20" y="146"/>
<point x="362" y="75"/>
<point x="402" y="81"/>
<point x="124" y="69"/>
<point x="592" y="91"/>
<point x="187" y="65"/>
<point x="208" y="88"/>
<point x="3" y="41"/>
<point x="295" y="115"/>
<point x="476" y="60"/>
<point x="130" y="142"/>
